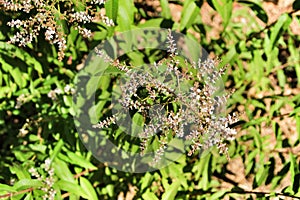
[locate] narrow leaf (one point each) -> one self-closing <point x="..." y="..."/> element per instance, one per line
<point x="111" y="9"/>
<point x="166" y="12"/>
<point x="171" y="191"/>
<point x="88" y="188"/>
<point x="189" y="13"/>
<point x="7" y="188"/>
<point x="27" y="183"/>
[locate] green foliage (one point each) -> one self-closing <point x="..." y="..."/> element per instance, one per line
<point x="36" y="112"/>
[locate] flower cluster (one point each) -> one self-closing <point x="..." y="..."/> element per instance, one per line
<point x="99" y="2"/>
<point x="45" y="19"/>
<point x="176" y="99"/>
<point x="20" y="101"/>
<point x="105" y="123"/>
<point x="53" y="93"/>
<point x="171" y="45"/>
<point x="57" y="91"/>
<point x="47" y="180"/>
<point x="81" y="17"/>
<point x="29" y="123"/>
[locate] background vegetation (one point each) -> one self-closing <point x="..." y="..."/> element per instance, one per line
<point x="259" y="40"/>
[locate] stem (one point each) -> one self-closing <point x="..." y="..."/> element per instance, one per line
<point x="83" y="173"/>
<point x="16" y="193"/>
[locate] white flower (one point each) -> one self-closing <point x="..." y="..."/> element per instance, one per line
<point x="22" y="132"/>
<point x="15" y="23"/>
<point x="58" y="91"/>
<point x="52" y="95"/>
<point x="49" y="34"/>
<point x="47" y="164"/>
<point x="107" y="21"/>
<point x="81" y="17"/>
<point x="69" y="89"/>
<point x="99" y="2"/>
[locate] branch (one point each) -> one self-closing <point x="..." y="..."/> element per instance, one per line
<point x="16" y="193"/>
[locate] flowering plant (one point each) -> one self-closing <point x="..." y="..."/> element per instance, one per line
<point x="52" y="18"/>
<point x="172" y="99"/>
<point x="155" y="104"/>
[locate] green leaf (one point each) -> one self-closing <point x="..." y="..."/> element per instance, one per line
<point x="60" y="19"/>
<point x="175" y="171"/>
<point x="73" y="188"/>
<point x="105" y="81"/>
<point x="257" y="9"/>
<point x="258" y="104"/>
<point x="230" y="55"/>
<point x="111" y="9"/>
<point x="255" y="122"/>
<point x="78" y="5"/>
<point x="29" y="196"/>
<point x="80" y="161"/>
<point x="56" y="149"/>
<point x="166" y="12"/>
<point x="257" y="138"/>
<point x="38" y="147"/>
<point x="146" y="181"/>
<point x="224" y="8"/>
<point x="14" y="52"/>
<point x="189" y="13"/>
<point x="27" y="183"/>
<point x="298" y="125"/>
<point x="88" y="188"/>
<point x="137" y="124"/>
<point x="171" y="191"/>
<point x="110" y="189"/>
<point x="250" y="160"/>
<point x="294" y="169"/>
<point x="206" y="172"/>
<point x="62" y="170"/>
<point x="282" y="24"/>
<point x="1" y="75"/>
<point x="7" y="188"/>
<point x="21" y="156"/>
<point x="125" y="14"/>
<point x="275" y="108"/>
<point x="218" y="195"/>
<point x="149" y="195"/>
<point x="16" y="74"/>
<point x="68" y="100"/>
<point x="20" y="171"/>
<point x="281" y="78"/>
<point x="261" y="174"/>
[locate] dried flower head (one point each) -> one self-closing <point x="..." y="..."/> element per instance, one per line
<point x="49" y="18"/>
<point x="175" y="99"/>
